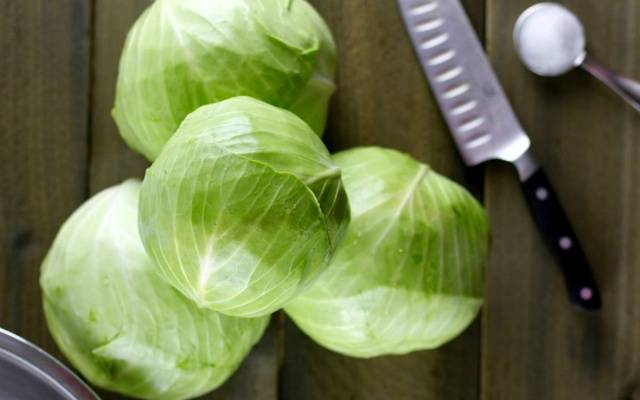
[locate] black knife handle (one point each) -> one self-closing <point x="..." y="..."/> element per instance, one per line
<point x="561" y="240"/>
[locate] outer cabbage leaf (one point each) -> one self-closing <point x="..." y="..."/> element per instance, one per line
<point x="243" y="207"/>
<point x="409" y="273"/>
<point x="119" y="323"/>
<point x="182" y="54"/>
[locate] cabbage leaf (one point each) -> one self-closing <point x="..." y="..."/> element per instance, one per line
<point x="119" y="323"/>
<point x="182" y="54"/>
<point x="243" y="207"/>
<point x="409" y="273"/>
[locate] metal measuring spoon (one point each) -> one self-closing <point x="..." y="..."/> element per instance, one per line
<point x="550" y="41"/>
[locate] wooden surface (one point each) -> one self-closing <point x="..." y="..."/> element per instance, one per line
<point x="534" y="346"/>
<point x="44" y="87"/>
<point x="58" y="64"/>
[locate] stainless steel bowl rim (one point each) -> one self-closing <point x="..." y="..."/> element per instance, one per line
<point x="44" y="366"/>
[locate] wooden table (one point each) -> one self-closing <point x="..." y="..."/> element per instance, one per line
<point x="58" y="62"/>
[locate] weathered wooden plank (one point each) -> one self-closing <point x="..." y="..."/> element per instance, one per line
<point x="536" y="346"/>
<point x="382" y="99"/>
<point x="311" y="372"/>
<point x="112" y="162"/>
<point x="44" y="86"/>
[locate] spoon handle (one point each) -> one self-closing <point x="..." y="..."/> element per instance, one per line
<point x="561" y="240"/>
<point x="625" y="87"/>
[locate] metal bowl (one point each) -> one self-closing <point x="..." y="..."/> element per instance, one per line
<point x="28" y="373"/>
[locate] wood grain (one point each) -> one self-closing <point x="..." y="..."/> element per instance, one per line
<point x="534" y="344"/>
<point x="44" y="78"/>
<point x="382" y="99"/>
<point x="59" y="145"/>
<point x="112" y="162"/>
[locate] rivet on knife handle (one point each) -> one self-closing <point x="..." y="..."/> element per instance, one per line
<point x="484" y="126"/>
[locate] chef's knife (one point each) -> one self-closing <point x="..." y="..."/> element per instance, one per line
<point x="484" y="126"/>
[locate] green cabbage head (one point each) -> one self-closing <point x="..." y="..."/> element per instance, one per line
<point x="409" y="273"/>
<point x="243" y="207"/>
<point x="122" y="326"/>
<point x="182" y="54"/>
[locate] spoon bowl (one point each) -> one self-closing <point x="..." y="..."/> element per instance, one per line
<point x="549" y="39"/>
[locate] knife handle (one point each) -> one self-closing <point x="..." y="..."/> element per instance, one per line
<point x="561" y="240"/>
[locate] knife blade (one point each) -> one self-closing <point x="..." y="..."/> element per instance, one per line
<point x="485" y="127"/>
